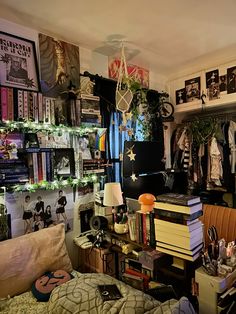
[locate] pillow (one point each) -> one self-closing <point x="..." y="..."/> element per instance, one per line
<point x="43" y="286"/>
<point x="26" y="258"/>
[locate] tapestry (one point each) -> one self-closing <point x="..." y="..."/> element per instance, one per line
<point x="59" y="65"/>
<point x="135" y="72"/>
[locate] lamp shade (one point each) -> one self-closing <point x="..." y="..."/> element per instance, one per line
<point x="112" y="194"/>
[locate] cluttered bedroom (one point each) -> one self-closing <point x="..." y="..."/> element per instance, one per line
<point x="117" y="157"/>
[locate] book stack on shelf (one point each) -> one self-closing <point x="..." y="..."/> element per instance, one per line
<point x="178" y="230"/>
<point x="91" y="166"/>
<point x="145" y="232"/>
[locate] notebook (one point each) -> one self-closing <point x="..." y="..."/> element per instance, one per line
<point x="109" y="292"/>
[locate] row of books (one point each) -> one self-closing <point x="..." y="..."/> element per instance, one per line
<point x="178" y="230"/>
<point x="145" y="231"/>
<point x="93" y="166"/>
<point x="19" y="105"/>
<point x="13" y="171"/>
<point x="40" y="164"/>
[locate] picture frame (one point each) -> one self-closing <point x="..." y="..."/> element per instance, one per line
<point x="18" y="63"/>
<point x="31" y="140"/>
<point x="64" y="162"/>
<point x="193" y="89"/>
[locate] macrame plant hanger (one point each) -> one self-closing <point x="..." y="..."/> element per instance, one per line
<point x="124" y="95"/>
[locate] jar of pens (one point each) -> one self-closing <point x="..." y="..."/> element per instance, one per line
<point x="120" y="220"/>
<point x="220" y="257"/>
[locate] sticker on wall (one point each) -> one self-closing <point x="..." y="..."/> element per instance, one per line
<point x="231" y="80"/>
<point x="180" y="96"/>
<point x="31" y="212"/>
<point x="193" y="89"/>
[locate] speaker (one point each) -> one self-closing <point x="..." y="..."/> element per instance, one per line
<point x="98" y="223"/>
<point x="97" y="154"/>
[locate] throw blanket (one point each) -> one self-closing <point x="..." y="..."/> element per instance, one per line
<point x="81" y="295"/>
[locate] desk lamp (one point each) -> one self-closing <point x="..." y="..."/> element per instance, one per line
<point x="113" y="197"/>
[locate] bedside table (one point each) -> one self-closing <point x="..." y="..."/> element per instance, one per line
<point x="96" y="260"/>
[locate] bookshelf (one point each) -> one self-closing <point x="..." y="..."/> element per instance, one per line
<point x="53" y="139"/>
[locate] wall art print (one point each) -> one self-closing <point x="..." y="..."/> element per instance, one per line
<point x="223" y="83"/>
<point x="231" y="80"/>
<point x="135" y="72"/>
<point x="59" y="65"/>
<point x="180" y="96"/>
<point x="212" y="78"/>
<point x="193" y="88"/>
<point x="18" y="63"/>
<point x="31" y="212"/>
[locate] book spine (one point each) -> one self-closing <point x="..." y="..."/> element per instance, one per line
<point x="47" y="112"/>
<point x="4" y="103"/>
<point x="20" y="105"/>
<point x="35" y="107"/>
<point x="35" y="167"/>
<point x="144" y="228"/>
<point x="152" y="230"/>
<point x="25" y="104"/>
<point x="15" y="104"/>
<point x="40" y="167"/>
<point x="44" y="166"/>
<point x="137" y="226"/>
<point x="40" y="107"/>
<point x="52" y="110"/>
<point x="31" y="168"/>
<point x="10" y="111"/>
<point x="30" y="107"/>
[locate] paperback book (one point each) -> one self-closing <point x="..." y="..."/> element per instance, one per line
<point x="180" y="199"/>
<point x="185" y="209"/>
<point x="179" y="218"/>
<point x="167" y="225"/>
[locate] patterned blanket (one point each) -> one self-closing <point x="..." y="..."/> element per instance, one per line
<point x="80" y="295"/>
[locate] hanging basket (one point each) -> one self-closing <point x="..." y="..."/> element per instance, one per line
<point x="124" y="95"/>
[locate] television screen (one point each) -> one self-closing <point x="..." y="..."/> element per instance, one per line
<point x="148" y="157"/>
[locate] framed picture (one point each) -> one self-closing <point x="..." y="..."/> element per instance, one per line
<point x="193" y="89"/>
<point x="231" y="80"/>
<point x="31" y="140"/>
<point x="64" y="162"/>
<point x="18" y="63"/>
<point x="212" y="78"/>
<point x="180" y="96"/>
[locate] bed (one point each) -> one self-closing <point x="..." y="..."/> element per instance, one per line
<point x="26" y="258"/>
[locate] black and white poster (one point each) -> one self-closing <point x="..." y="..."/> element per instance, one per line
<point x="212" y="78"/>
<point x="180" y="96"/>
<point x="31" y="212"/>
<point x="223" y="83"/>
<point x="193" y="89"/>
<point x="231" y="80"/>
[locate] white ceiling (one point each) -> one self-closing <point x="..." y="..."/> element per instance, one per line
<point x="165" y="36"/>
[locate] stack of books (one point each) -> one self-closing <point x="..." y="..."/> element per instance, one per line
<point x="178" y="230"/>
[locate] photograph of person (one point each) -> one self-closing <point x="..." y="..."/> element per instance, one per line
<point x="60" y="204"/>
<point x="48" y="216"/>
<point x="28" y="209"/>
<point x="18" y="70"/>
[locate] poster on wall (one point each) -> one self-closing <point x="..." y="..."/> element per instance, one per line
<point x="59" y="65"/>
<point x="180" y="96"/>
<point x="18" y="63"/>
<point x="223" y="83"/>
<point x="135" y="72"/>
<point x="231" y="80"/>
<point x="193" y="89"/>
<point x="212" y="78"/>
<point x="31" y="212"/>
